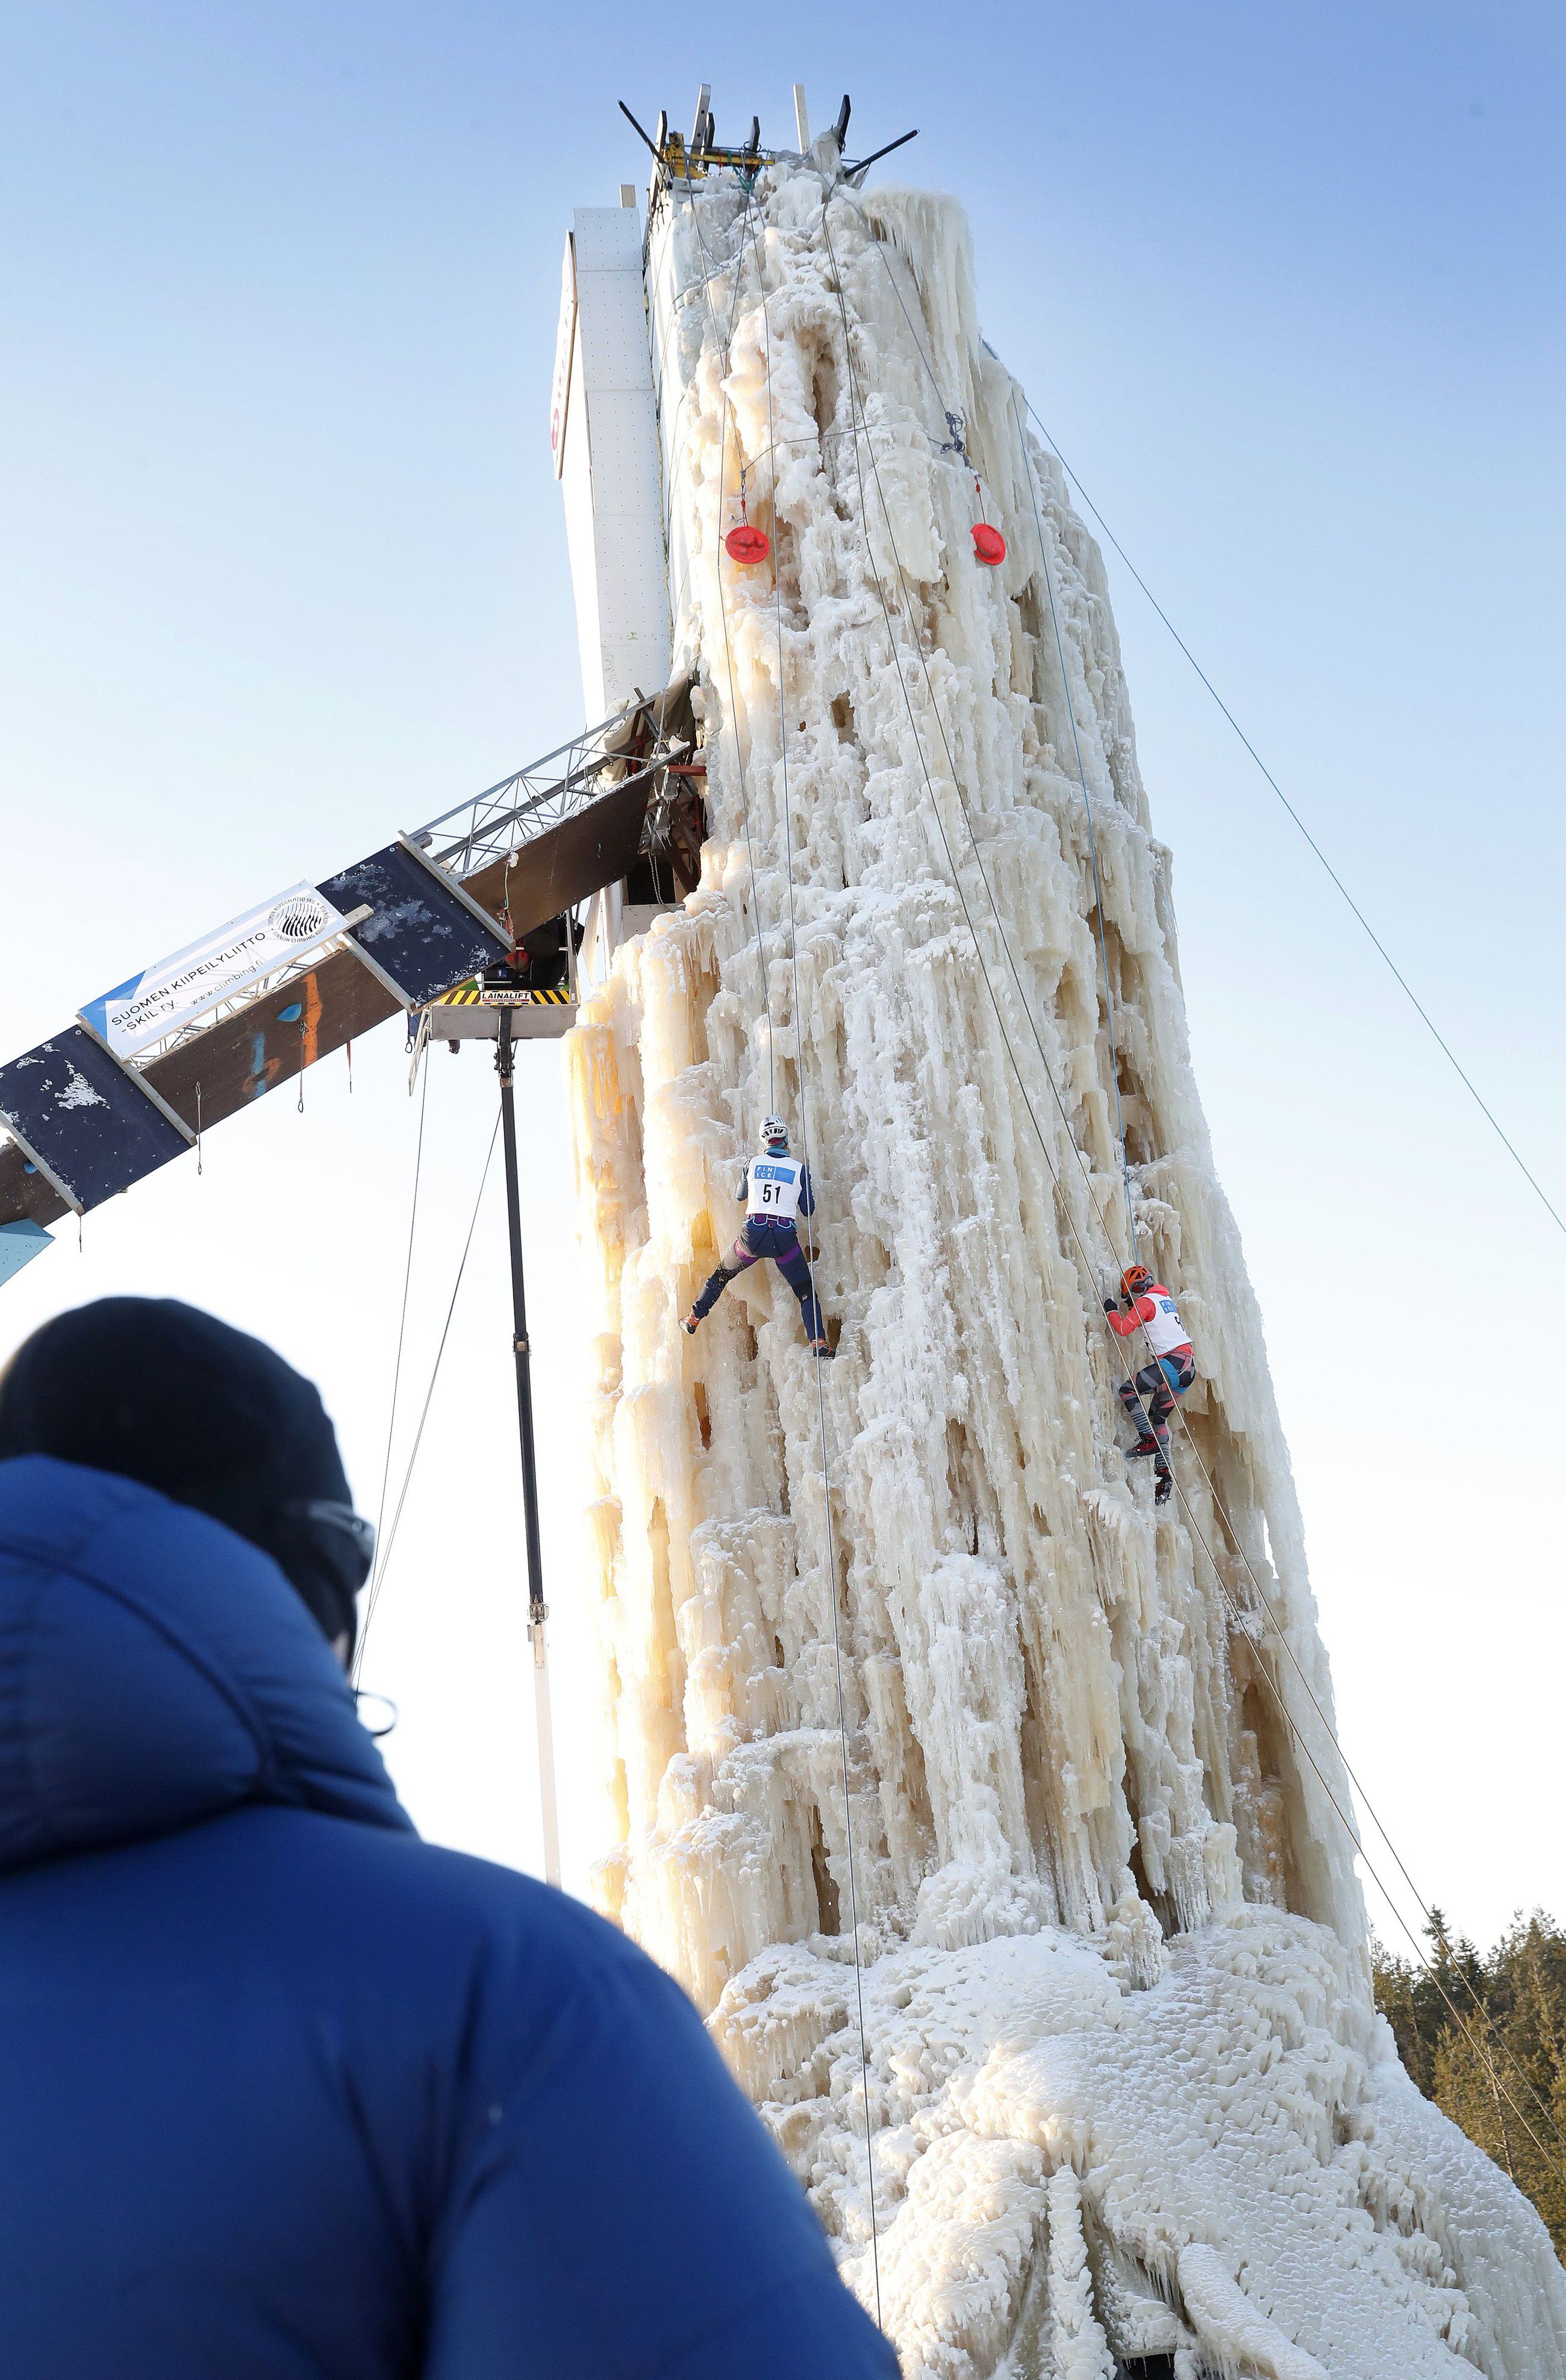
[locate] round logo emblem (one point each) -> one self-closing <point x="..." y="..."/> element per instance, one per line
<point x="301" y="916"/>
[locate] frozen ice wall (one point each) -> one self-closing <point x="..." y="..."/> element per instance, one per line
<point x="902" y="1637"/>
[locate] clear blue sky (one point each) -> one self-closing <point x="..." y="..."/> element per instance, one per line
<point x="284" y="568"/>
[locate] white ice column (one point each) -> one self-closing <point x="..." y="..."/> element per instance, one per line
<point x="1110" y="1934"/>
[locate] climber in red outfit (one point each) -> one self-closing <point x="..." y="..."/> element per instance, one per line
<point x="1151" y="1311"/>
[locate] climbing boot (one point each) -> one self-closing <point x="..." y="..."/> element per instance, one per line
<point x="1143" y="1446"/>
<point x="1164" y="1488"/>
<point x="822" y="1349"/>
<point x="689" y="1324"/>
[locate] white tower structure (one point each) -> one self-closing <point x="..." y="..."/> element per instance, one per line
<point x="602" y="432"/>
<point x="992" y="1814"/>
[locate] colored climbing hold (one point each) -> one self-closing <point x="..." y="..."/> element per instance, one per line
<point x="747" y="543"/>
<point x="291" y="1014"/>
<point x="989" y="544"/>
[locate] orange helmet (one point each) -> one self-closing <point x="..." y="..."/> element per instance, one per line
<point x="1136" y="1280"/>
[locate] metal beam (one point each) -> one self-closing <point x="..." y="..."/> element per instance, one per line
<point x="538" y="1609"/>
<point x="387" y="982"/>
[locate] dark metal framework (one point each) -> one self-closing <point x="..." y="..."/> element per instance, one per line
<point x="633" y="745"/>
<point x="678" y="163"/>
<point x="538" y="1609"/>
<point x="78" y="1124"/>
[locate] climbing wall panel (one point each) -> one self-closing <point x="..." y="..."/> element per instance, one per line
<point x="82" y="1117"/>
<point x="424" y="935"/>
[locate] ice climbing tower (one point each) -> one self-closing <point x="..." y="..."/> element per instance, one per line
<point x="993" y="1816"/>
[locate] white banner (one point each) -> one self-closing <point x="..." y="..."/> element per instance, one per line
<point x="173" y="993"/>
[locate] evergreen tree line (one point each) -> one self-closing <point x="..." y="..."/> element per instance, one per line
<point x="1470" y="2068"/>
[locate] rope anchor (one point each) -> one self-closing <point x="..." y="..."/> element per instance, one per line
<point x="989" y="545"/>
<point x="746" y="543"/>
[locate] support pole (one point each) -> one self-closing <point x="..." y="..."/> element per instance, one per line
<point x="538" y="1609"/>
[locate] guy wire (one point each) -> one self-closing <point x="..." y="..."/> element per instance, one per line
<point x="1400" y="979"/>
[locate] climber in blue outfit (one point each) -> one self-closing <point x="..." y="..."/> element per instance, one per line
<point x="776" y="1190"/>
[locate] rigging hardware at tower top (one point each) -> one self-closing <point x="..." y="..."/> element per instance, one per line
<point x="678" y="161"/>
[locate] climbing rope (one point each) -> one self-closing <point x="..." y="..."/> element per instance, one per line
<point x="856" y="407"/>
<point x="386" y="1549"/>
<point x="957" y="443"/>
<point x="659" y="359"/>
<point x="397" y="1376"/>
<point x="853" y="384"/>
<point x="1087" y="812"/>
<point x="723" y="615"/>
<point x="747" y="222"/>
<point x="1279" y="1633"/>
<point x="821" y="1385"/>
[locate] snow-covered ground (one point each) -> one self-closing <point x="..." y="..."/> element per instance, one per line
<point x="1125" y="2093"/>
<point x="1227" y="2165"/>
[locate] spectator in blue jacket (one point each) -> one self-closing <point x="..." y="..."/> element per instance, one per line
<point x="285" y="2092"/>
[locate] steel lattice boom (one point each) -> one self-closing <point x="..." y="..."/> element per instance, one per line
<point x="84" y="1120"/>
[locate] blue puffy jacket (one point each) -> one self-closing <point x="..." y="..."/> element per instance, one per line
<point x="288" y="2094"/>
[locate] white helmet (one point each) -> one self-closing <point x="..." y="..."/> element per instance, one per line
<point x="773" y="1129"/>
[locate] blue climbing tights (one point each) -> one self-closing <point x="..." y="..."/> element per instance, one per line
<point x="780" y="1242"/>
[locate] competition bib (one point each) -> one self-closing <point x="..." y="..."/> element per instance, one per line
<point x="1165" y="1330"/>
<point x="775" y="1189"/>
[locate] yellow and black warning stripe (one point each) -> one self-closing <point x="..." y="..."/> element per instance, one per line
<point x="471" y="995"/>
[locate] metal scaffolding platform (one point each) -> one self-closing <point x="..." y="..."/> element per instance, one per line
<point x="103" y="1103"/>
